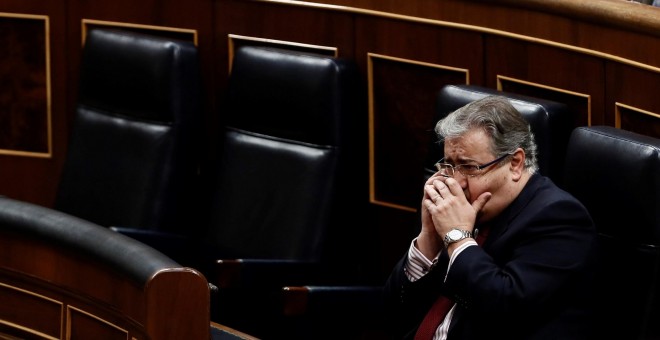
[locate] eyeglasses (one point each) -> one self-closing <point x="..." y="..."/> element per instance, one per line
<point x="468" y="170"/>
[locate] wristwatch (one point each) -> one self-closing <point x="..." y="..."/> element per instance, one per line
<point x="456" y="235"/>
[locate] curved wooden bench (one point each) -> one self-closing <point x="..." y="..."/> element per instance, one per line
<point x="65" y="278"/>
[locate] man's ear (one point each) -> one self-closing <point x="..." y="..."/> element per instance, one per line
<point x="517" y="164"/>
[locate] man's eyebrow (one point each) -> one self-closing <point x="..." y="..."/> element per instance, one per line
<point x="461" y="160"/>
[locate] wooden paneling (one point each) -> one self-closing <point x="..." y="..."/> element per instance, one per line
<point x="637" y="120"/>
<point x="402" y="96"/>
<point x="46" y="321"/>
<point x="25" y="91"/>
<point x="284" y="24"/>
<point x="84" y="325"/>
<point x="613" y="26"/>
<point x="632" y="99"/>
<point x="39" y="307"/>
<point x="33" y="74"/>
<point x="407" y="63"/>
<point x="304" y="25"/>
<point x="553" y="73"/>
<point x="578" y="102"/>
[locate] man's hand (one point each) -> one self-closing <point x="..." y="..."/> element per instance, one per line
<point x="428" y="241"/>
<point x="445" y="202"/>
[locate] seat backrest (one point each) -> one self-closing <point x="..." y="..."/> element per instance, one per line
<point x="616" y="175"/>
<point x="551" y="122"/>
<point x="132" y="152"/>
<point x="292" y="162"/>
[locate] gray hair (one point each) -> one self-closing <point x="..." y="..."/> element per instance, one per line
<point x="496" y="116"/>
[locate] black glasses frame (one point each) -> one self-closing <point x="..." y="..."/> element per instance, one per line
<point x="479" y="167"/>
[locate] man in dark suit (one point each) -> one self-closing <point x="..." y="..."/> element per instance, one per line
<point x="526" y="273"/>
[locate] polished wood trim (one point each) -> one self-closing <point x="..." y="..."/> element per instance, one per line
<point x="40" y="296"/>
<point x="617" y="113"/>
<point x="624" y="14"/>
<point x="86" y="22"/>
<point x="501" y="79"/>
<point x="646" y="18"/>
<point x="22" y="16"/>
<point x="70" y="310"/>
<point x="231" y="38"/>
<point x="49" y="124"/>
<point x="26" y="330"/>
<point x="232" y="331"/>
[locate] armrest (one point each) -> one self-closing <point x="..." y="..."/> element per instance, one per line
<point x="356" y="310"/>
<point x="252" y="287"/>
<point x="222" y="332"/>
<point x="148" y="235"/>
<point x="180" y="248"/>
<point x="261" y="272"/>
<point x="300" y="300"/>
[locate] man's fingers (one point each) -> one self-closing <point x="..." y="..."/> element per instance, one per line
<point x="479" y="203"/>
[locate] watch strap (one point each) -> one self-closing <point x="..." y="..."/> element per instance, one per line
<point x="464" y="234"/>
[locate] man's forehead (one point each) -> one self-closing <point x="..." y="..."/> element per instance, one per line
<point x="472" y="138"/>
<point x="473" y="145"/>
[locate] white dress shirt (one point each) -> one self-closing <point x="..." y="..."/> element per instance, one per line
<point x="418" y="265"/>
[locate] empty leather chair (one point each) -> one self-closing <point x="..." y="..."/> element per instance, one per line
<point x="551" y="122"/>
<point x="289" y="182"/>
<point x="616" y="175"/>
<point x="132" y="156"/>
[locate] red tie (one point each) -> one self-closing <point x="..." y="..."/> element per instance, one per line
<point x="440" y="307"/>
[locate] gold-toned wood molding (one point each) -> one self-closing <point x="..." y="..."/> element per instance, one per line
<point x="37" y="297"/>
<point x="85" y="23"/>
<point x="371" y="57"/>
<point x="618" y="113"/>
<point x="317" y="49"/>
<point x="501" y="80"/>
<point x="74" y="312"/>
<point x="633" y="16"/>
<point x="45" y="150"/>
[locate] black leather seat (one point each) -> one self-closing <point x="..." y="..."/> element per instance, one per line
<point x="616" y="175"/>
<point x="289" y="182"/>
<point x="551" y="122"/>
<point x="132" y="157"/>
<point x="289" y="160"/>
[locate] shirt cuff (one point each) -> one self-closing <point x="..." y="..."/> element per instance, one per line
<point x="459" y="250"/>
<point x="417" y="265"/>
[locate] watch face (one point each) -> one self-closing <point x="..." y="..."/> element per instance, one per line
<point x="455" y="234"/>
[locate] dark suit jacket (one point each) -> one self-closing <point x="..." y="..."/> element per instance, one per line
<point x="530" y="280"/>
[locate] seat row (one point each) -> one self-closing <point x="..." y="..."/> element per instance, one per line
<point x="273" y="202"/>
<point x="272" y="213"/>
